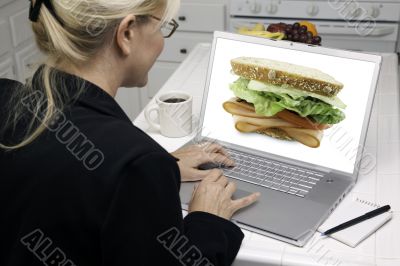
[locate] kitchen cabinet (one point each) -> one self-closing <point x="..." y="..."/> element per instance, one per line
<point x="6" y="44"/>
<point x="20" y="27"/>
<point x="4" y="2"/>
<point x="19" y="55"/>
<point x="7" y="69"/>
<point x="197" y="19"/>
<point x="28" y="60"/>
<point x="18" y="51"/>
<point x="159" y="74"/>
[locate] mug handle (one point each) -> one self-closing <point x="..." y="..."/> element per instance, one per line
<point x="147" y="115"/>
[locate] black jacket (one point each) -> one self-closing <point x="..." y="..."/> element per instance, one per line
<point x="95" y="190"/>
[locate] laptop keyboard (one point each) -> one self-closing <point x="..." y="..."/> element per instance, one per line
<point x="271" y="174"/>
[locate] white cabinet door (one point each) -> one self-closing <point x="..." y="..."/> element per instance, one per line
<point x="6" y="69"/>
<point x="5" y="40"/>
<point x="201" y="17"/>
<point x="20" y="27"/>
<point x="181" y="44"/>
<point x="158" y="75"/>
<point x="133" y="100"/>
<point x="129" y="100"/>
<point x="4" y="2"/>
<point x="28" y="60"/>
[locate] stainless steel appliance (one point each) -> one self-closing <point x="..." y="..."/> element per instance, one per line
<point x="348" y="24"/>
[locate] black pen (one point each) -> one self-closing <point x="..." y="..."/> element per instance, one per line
<point x="357" y="220"/>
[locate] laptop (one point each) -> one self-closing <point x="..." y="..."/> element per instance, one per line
<point x="300" y="186"/>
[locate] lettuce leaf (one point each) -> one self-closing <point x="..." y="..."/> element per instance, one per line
<point x="293" y="92"/>
<point x="269" y="103"/>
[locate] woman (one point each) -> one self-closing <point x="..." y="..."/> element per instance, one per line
<point x="80" y="185"/>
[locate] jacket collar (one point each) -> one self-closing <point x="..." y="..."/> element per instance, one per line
<point x="75" y="90"/>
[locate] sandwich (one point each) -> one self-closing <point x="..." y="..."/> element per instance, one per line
<point x="284" y="101"/>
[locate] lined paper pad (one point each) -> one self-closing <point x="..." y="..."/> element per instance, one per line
<point x="349" y="209"/>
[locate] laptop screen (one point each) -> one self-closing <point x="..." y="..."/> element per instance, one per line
<point x="306" y="106"/>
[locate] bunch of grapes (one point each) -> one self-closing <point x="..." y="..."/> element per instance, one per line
<point x="296" y="33"/>
<point x="299" y="33"/>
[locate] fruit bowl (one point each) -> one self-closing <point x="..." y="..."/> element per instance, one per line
<point x="303" y="32"/>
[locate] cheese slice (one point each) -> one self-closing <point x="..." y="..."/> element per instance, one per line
<point x="293" y="92"/>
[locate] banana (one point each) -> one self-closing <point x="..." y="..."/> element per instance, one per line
<point x="259" y="27"/>
<point x="281" y="36"/>
<point x="259" y="31"/>
<point x="242" y="29"/>
<point x="264" y="34"/>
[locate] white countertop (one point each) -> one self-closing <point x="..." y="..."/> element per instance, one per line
<point x="381" y="186"/>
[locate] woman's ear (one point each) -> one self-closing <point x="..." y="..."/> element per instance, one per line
<point x="125" y="34"/>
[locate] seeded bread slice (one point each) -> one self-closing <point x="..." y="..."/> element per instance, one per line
<point x="280" y="73"/>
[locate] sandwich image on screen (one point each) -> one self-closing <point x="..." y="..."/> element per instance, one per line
<point x="284" y="101"/>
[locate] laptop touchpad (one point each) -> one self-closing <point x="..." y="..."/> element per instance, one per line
<point x="239" y="193"/>
<point x="187" y="189"/>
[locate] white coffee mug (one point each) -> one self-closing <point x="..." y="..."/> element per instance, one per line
<point x="174" y="113"/>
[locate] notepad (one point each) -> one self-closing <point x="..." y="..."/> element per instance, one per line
<point x="351" y="208"/>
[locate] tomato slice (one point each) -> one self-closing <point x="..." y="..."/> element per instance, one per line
<point x="300" y="121"/>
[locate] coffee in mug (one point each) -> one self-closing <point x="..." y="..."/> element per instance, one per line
<point x="174" y="100"/>
<point x="174" y="112"/>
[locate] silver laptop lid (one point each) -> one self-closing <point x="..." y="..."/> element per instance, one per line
<point x="341" y="147"/>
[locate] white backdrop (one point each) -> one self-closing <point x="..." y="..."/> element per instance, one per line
<point x="334" y="152"/>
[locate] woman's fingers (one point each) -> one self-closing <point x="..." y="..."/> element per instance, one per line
<point x="214" y="147"/>
<point x="215" y="158"/>
<point x="230" y="189"/>
<point x="222" y="180"/>
<point x="194" y="191"/>
<point x="197" y="175"/>
<point x="221" y="159"/>
<point x="211" y="152"/>
<point x="213" y="175"/>
<point x="246" y="201"/>
<point x="217" y="176"/>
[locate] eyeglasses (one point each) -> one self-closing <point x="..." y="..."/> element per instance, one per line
<point x="167" y="28"/>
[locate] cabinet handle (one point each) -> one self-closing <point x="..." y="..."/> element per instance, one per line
<point x="182" y="18"/>
<point x="183" y="51"/>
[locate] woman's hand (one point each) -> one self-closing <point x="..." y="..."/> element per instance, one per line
<point x="192" y="156"/>
<point x="214" y="195"/>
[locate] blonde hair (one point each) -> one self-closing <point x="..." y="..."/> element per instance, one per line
<point x="78" y="33"/>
